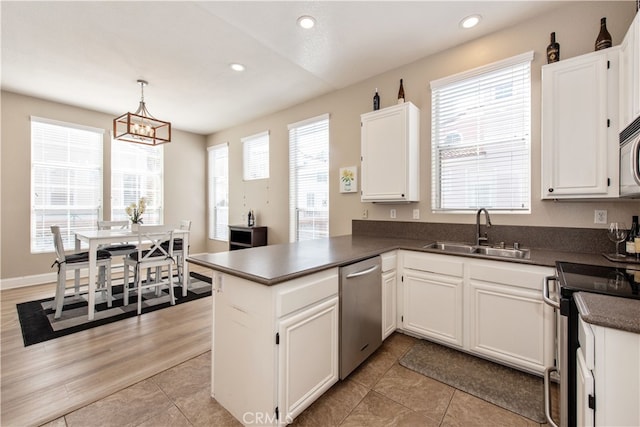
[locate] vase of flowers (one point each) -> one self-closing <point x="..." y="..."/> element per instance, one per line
<point x="135" y="211"/>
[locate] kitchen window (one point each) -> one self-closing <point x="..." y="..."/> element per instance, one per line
<point x="137" y="171"/>
<point x="308" y="179"/>
<point x="255" y="155"/>
<point x="218" y="172"/>
<point x="66" y="180"/>
<point x="481" y="138"/>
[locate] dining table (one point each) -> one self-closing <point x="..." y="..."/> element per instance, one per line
<point x="97" y="238"/>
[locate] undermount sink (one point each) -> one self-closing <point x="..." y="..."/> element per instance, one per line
<point x="466" y="248"/>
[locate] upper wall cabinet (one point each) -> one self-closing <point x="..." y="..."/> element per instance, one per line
<point x="579" y="127"/>
<point x="630" y="74"/>
<point x="391" y="154"/>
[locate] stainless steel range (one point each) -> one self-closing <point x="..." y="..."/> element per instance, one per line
<point x="572" y="278"/>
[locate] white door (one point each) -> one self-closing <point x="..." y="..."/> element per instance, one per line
<point x="584" y="390"/>
<point x="388" y="303"/>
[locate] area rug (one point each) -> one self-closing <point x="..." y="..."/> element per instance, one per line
<point x="508" y="388"/>
<point x="38" y="324"/>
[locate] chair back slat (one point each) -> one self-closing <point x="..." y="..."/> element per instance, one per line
<point x="110" y="225"/>
<point x="154" y="236"/>
<point x="57" y="243"/>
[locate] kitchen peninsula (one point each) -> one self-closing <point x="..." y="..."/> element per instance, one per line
<point x="275" y="317"/>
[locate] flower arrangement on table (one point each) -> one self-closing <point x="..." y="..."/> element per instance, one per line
<point x="135" y="211"/>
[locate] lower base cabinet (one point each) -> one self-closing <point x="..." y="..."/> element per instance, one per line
<point x="389" y="293"/>
<point x="507" y="319"/>
<point x="275" y="348"/>
<point x="493" y="309"/>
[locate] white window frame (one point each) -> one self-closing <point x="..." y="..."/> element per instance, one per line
<point x="306" y="131"/>
<point x="218" y="203"/>
<point x="133" y="176"/>
<point x="482" y="138"/>
<point x="255" y="156"/>
<point x="66" y="183"/>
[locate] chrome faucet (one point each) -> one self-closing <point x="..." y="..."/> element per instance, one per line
<point x="484" y="239"/>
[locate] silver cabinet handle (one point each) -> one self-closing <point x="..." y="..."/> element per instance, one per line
<point x="363" y="272"/>
<point x="545" y="292"/>
<point x="547" y="395"/>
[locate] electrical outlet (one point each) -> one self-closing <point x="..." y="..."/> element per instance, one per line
<point x="599" y="216"/>
<point x="392" y="213"/>
<point x="365" y="214"/>
<point x="416" y="214"/>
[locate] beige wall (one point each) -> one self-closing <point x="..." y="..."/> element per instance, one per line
<point x="576" y="25"/>
<point x="184" y="186"/>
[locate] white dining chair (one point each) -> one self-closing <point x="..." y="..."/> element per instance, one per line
<point x="118" y="249"/>
<point x="178" y="250"/>
<point x="77" y="261"/>
<point x="154" y="257"/>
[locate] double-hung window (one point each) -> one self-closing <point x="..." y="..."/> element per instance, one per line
<point x="309" y="179"/>
<point x="66" y="180"/>
<point x="218" y="173"/>
<point x="136" y="172"/>
<point x="255" y="155"/>
<point x="480" y="138"/>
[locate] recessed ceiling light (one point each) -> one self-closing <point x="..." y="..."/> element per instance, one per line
<point x="237" y="67"/>
<point x="306" y="22"/>
<point x="470" y="21"/>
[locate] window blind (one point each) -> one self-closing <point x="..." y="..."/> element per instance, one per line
<point x="66" y="181"/>
<point x="309" y="179"/>
<point x="137" y="171"/>
<point x="481" y="138"/>
<point x="255" y="155"/>
<point x="218" y="172"/>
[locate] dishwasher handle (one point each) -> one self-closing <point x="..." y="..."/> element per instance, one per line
<point x="545" y="292"/>
<point x="363" y="272"/>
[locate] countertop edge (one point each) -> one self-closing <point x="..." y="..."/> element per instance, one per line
<point x="609" y="312"/>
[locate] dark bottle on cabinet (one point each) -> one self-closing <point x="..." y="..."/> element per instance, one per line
<point x="376" y="101"/>
<point x="401" y="93"/>
<point x="630" y="246"/>
<point x="604" y="38"/>
<point x="250" y="220"/>
<point x="553" y="50"/>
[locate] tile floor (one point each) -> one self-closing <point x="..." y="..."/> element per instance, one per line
<point x="378" y="393"/>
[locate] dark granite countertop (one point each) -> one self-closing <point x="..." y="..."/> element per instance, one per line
<point x="270" y="265"/>
<point x="608" y="311"/>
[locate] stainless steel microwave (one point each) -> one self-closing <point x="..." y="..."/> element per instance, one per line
<point x="630" y="160"/>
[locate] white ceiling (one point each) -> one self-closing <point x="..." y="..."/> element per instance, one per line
<point x="90" y="54"/>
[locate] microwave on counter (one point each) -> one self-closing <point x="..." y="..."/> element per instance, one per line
<point x="630" y="160"/>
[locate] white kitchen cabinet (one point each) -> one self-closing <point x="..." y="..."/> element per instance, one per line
<point x="308" y="356"/>
<point x="389" y="293"/>
<point x="508" y="321"/>
<point x="390" y="156"/>
<point x="432" y="297"/>
<point x="630" y="75"/>
<point x="611" y="357"/>
<point x="276" y="347"/>
<point x="580" y="104"/>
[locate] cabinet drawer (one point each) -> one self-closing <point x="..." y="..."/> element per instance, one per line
<point x="440" y="264"/>
<point x="305" y="291"/>
<point x="389" y="261"/>
<point x="524" y="276"/>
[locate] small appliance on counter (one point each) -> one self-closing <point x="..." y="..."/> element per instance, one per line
<point x="630" y="160"/>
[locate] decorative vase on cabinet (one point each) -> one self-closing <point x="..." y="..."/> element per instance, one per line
<point x="390" y="144"/>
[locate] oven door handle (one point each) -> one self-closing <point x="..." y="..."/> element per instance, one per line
<point x="547" y="395"/>
<point x="545" y="292"/>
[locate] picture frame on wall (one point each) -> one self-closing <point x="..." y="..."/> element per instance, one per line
<point x="349" y="179"/>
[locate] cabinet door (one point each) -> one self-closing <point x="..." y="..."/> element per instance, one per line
<point x="629" y="78"/>
<point x="576" y="104"/>
<point x="390" y="154"/>
<point x="307" y="357"/>
<point x="510" y="324"/>
<point x="388" y="303"/>
<point x="433" y="306"/>
<point x="584" y="389"/>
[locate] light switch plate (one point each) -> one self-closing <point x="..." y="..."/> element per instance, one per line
<point x="416" y="214"/>
<point x="392" y="213"/>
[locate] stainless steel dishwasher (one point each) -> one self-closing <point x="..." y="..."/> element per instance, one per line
<point x="360" y="313"/>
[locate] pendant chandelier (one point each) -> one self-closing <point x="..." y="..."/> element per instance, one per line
<point x="141" y="127"/>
